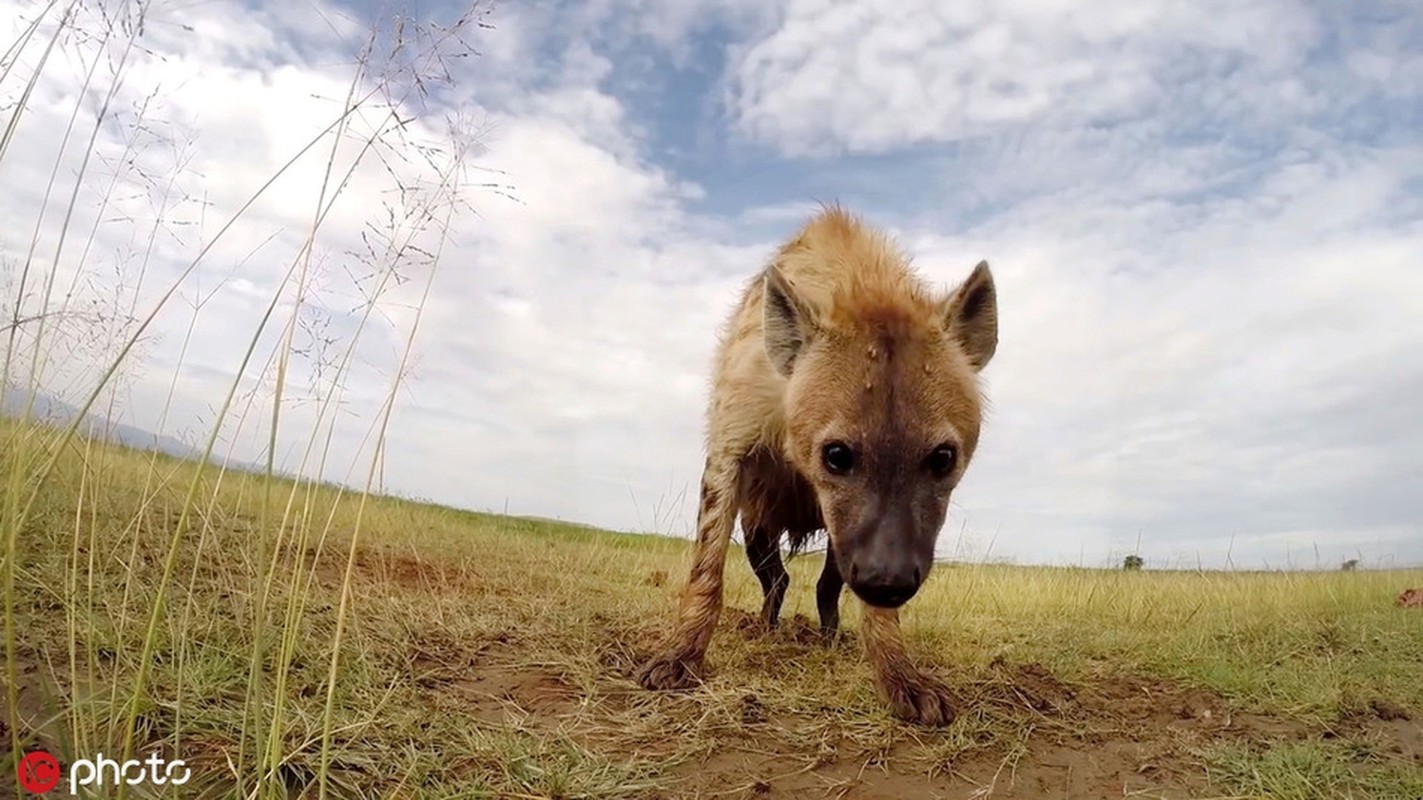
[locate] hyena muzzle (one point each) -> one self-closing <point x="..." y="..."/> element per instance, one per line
<point x="845" y="399"/>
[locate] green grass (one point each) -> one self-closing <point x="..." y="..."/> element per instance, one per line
<point x="290" y="639"/>
<point x="493" y="655"/>
<point x="1316" y="769"/>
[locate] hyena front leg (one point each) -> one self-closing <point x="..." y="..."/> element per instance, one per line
<point x="763" y="550"/>
<point x="827" y="595"/>
<point x="679" y="664"/>
<point x="912" y="694"/>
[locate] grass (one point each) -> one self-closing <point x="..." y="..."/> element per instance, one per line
<point x="492" y="656"/>
<point x="288" y="638"/>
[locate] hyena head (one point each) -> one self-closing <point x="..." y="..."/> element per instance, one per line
<point x="882" y="415"/>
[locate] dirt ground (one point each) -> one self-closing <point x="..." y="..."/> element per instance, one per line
<point x="490" y="665"/>
<point x="1135" y="740"/>
<point x="1115" y="735"/>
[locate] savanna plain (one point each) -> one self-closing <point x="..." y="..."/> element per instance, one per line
<point x="290" y="639"/>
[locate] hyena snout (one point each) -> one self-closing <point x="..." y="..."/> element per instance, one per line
<point x="886" y="573"/>
<point x="885" y="585"/>
<point x="886" y="550"/>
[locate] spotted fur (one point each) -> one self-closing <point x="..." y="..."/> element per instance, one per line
<point x="838" y="341"/>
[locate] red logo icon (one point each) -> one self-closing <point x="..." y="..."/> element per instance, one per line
<point x="39" y="772"/>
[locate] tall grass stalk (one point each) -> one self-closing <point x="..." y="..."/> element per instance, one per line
<point x="385" y="82"/>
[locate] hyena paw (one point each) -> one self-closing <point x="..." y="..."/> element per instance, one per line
<point x="669" y="671"/>
<point x="920" y="699"/>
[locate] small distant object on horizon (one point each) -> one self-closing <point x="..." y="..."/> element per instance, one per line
<point x="1132" y="562"/>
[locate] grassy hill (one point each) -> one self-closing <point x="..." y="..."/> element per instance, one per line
<point x="204" y="614"/>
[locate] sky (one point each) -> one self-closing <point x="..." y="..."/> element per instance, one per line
<point x="1204" y="220"/>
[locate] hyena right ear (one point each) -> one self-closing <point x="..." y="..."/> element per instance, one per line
<point x="787" y="322"/>
<point x="971" y="316"/>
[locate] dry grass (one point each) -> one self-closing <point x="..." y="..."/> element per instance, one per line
<point x="493" y="656"/>
<point x="290" y="639"/>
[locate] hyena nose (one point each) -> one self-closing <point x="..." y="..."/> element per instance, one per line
<point x="885" y="588"/>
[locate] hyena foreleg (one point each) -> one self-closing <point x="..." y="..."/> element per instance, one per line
<point x="763" y="550"/>
<point x="679" y="664"/>
<point x="912" y="694"/>
<point x="827" y="594"/>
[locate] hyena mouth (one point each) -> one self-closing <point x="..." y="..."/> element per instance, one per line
<point x="886" y="595"/>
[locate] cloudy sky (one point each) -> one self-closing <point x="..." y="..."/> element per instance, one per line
<point x="1205" y="220"/>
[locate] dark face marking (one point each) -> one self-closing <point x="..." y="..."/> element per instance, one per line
<point x="885" y="516"/>
<point x="883" y="472"/>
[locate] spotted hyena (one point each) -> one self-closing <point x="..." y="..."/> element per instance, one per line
<point x="845" y="399"/>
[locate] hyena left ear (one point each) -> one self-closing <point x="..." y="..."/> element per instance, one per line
<point x="971" y="316"/>
<point x="787" y="323"/>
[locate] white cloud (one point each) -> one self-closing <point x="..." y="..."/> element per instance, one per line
<point x="1247" y="372"/>
<point x="872" y="76"/>
<point x="1207" y="330"/>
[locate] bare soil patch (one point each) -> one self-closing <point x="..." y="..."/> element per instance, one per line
<point x="1109" y="734"/>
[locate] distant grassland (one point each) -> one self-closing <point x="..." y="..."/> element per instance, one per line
<point x="491" y="656"/>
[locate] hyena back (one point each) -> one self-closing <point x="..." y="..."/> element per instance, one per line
<point x="845" y="399"/>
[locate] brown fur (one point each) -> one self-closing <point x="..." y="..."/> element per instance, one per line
<point x="838" y="341"/>
<point x="1410" y="598"/>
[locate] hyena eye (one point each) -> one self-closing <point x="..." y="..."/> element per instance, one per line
<point x="941" y="461"/>
<point x="837" y="457"/>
